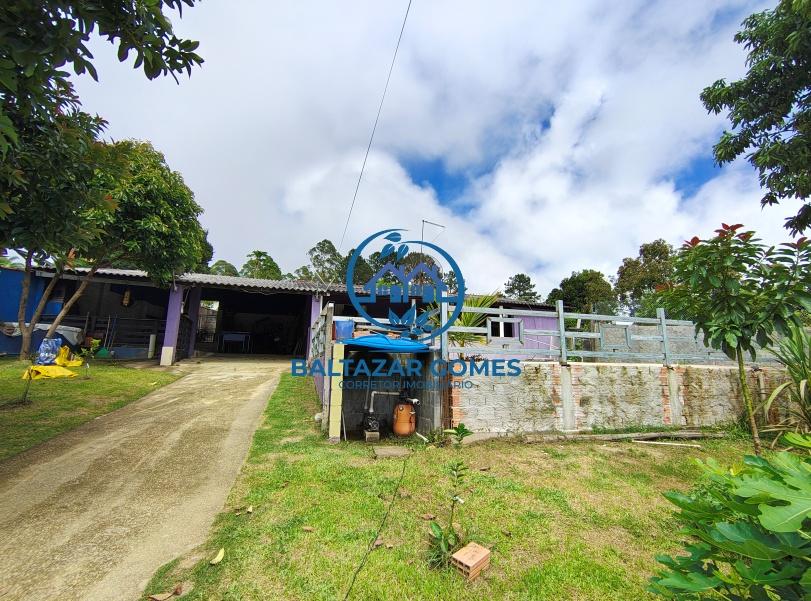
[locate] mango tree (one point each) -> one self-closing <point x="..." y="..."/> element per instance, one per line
<point x="153" y="227"/>
<point x="51" y="187"/>
<point x="739" y="293"/>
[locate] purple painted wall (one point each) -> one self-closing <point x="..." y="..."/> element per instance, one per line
<point x="315" y="311"/>
<point x="173" y="311"/>
<point x="537" y="341"/>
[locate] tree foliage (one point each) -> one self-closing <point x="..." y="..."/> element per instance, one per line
<point x="770" y="108"/>
<point x="520" y="286"/>
<point x="326" y="262"/>
<point x="53" y="188"/>
<point x="261" y="265"/>
<point x="738" y="292"/>
<point x="222" y="267"/>
<point x="41" y="37"/>
<point x="151" y="223"/>
<point x="54" y="184"/>
<point x="639" y="276"/>
<point x="155" y="222"/>
<point x="585" y="291"/>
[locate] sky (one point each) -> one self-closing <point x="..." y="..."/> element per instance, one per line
<point x="546" y="137"/>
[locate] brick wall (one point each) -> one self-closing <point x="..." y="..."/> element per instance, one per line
<point x="581" y="396"/>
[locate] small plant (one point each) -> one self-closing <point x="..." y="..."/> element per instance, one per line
<point x="794" y="353"/>
<point x="87" y="353"/>
<point x="437" y="438"/>
<point x="459" y="433"/>
<point x="752" y="532"/>
<point x="446" y="541"/>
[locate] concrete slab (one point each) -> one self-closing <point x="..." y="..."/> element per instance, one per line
<point x="385" y="452"/>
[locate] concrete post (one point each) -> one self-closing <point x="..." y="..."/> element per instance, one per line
<point x="193" y="301"/>
<point x="567" y="399"/>
<point x="564" y="359"/>
<point x="336" y="398"/>
<point x="676" y="413"/>
<point x="173" y="312"/>
<point x="660" y="314"/>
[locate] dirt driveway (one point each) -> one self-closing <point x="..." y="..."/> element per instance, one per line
<point x="92" y="513"/>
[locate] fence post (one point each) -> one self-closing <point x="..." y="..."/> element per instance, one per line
<point x="325" y="398"/>
<point x="564" y="360"/>
<point x="660" y="314"/>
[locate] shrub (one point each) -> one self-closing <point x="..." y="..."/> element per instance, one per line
<point x="751" y="533"/>
<point x="794" y="353"/>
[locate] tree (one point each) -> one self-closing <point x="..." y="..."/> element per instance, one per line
<point x="206" y="254"/>
<point x="261" y="265"/>
<point x="363" y="271"/>
<point x="770" y="108"/>
<point x="449" y="279"/>
<point x="638" y="277"/>
<point x="221" y="267"/>
<point x="302" y="273"/>
<point x="326" y="261"/>
<point x="54" y="188"/>
<point x="154" y="224"/>
<point x="520" y="286"/>
<point x="585" y="291"/>
<point x="40" y="37"/>
<point x="738" y="292"/>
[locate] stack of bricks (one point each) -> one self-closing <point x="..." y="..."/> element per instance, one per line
<point x="457" y="414"/>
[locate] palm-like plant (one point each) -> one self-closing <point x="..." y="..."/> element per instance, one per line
<point x="470" y="320"/>
<point x="794" y="353"/>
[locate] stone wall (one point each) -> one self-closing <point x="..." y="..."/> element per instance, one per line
<point x="582" y="396"/>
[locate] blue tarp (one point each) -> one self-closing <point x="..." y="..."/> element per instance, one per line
<point x="379" y="342"/>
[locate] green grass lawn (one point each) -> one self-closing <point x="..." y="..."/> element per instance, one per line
<point x="565" y="521"/>
<point x="60" y="404"/>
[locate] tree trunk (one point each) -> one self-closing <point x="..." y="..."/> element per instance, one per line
<point x="747" y="399"/>
<point x="71" y="301"/>
<point x="25" y="289"/>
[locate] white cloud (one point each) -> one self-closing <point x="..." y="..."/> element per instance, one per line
<point x="587" y="111"/>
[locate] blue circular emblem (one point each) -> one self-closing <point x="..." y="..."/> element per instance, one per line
<point x="412" y="286"/>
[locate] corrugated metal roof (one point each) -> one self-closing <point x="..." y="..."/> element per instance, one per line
<point x="221" y="281"/>
<point x="239" y="282"/>
<point x="208" y="279"/>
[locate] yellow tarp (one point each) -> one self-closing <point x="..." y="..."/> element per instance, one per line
<point x="39" y="372"/>
<point x="63" y="358"/>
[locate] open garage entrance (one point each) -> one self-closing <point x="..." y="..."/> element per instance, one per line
<point x="248" y="322"/>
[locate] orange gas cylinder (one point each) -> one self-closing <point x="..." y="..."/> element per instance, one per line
<point x="405" y="419"/>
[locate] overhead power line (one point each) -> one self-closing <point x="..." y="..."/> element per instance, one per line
<point x="374" y="127"/>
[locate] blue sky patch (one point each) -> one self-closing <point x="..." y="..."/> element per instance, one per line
<point x="433" y="172"/>
<point x="695" y="174"/>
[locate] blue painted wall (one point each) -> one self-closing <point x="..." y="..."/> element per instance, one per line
<point x="10" y="284"/>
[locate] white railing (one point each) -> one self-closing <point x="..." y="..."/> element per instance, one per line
<point x="564" y="335"/>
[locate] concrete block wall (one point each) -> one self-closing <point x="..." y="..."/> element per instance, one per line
<point x="583" y="396"/>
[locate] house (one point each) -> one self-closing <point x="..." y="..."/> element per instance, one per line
<point x="136" y="318"/>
